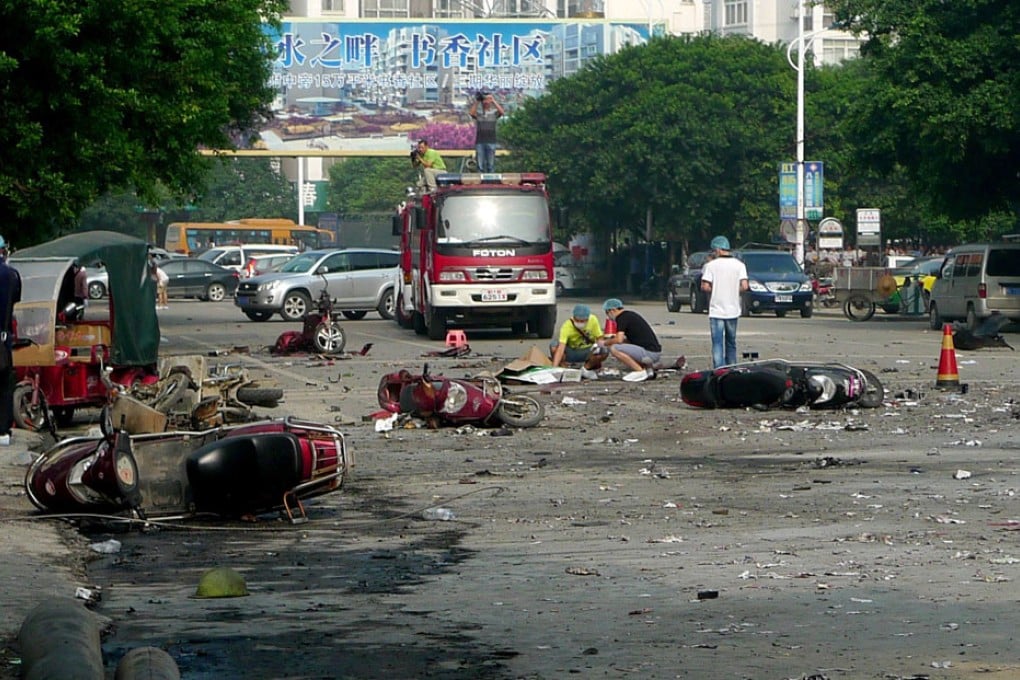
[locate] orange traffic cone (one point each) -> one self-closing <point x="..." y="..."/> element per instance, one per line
<point x="948" y="377"/>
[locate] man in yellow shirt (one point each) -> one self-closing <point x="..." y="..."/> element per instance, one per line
<point x="580" y="342"/>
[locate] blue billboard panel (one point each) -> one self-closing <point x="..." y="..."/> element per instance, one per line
<point x="376" y="85"/>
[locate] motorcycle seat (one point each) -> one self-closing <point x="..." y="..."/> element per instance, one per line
<point x="244" y="474"/>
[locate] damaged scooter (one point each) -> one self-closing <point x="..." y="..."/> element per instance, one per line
<point x="777" y="383"/>
<point x="234" y="471"/>
<point x="457" y="401"/>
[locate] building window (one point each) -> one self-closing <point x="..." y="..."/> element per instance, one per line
<point x="332" y="6"/>
<point x="736" y="13"/>
<point x="379" y="9"/>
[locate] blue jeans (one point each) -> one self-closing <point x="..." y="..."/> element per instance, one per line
<point x="486" y="154"/>
<point x="724" y="341"/>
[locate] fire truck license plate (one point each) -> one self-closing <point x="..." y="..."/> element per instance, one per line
<point x="784" y="298"/>
<point x="494" y="295"/>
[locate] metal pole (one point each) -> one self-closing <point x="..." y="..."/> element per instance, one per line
<point x="300" y="190"/>
<point x="801" y="229"/>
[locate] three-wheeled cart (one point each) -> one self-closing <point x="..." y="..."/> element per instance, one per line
<point x="861" y="290"/>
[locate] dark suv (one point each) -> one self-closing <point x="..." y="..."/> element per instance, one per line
<point x="685" y="285"/>
<point x="778" y="284"/>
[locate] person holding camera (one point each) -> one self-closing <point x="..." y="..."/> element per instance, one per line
<point x="485" y="117"/>
<point x="430" y="161"/>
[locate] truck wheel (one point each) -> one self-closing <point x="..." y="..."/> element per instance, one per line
<point x="27" y="415"/>
<point x="545" y="323"/>
<point x="386" y="305"/>
<point x="418" y="321"/>
<point x="436" y="324"/>
<point x="404" y="320"/>
<point x="295" y="305"/>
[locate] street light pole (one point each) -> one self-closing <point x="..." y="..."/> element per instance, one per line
<point x="801" y="229"/>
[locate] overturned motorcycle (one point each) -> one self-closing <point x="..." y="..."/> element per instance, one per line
<point x="234" y="471"/>
<point x="457" y="401"/>
<point x="777" y="383"/>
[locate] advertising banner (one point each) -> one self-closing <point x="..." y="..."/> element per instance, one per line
<point x="369" y="85"/>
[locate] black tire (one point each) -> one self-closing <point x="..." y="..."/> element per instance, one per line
<point x="106" y="422"/>
<point x="63" y="415"/>
<point x="404" y="320"/>
<point x="97" y="290"/>
<point x="545" y="322"/>
<point x="560" y="290"/>
<point x="436" y="324"/>
<point x="672" y="302"/>
<point x="258" y="316"/>
<point x="26" y="415"/>
<point x="781" y="313"/>
<point x="215" y="292"/>
<point x="387" y="306"/>
<point x="858" y="307"/>
<point x="295" y="305"/>
<point x="934" y="319"/>
<point x="694" y="301"/>
<point x="355" y="315"/>
<point x="418" y="321"/>
<point x="874" y="393"/>
<point x="268" y="397"/>
<point x="520" y="411"/>
<point x="806" y="312"/>
<point x="172" y="393"/>
<point x="972" y="319"/>
<point x="329" y="338"/>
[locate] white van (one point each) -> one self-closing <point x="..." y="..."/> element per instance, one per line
<point x="977" y="280"/>
<point x="235" y="257"/>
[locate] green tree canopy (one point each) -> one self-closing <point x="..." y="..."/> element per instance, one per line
<point x="100" y="95"/>
<point x="369" y="185"/>
<point x="692" y="127"/>
<point x="944" y="102"/>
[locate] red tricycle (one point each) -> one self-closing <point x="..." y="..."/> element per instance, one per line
<point x="60" y="351"/>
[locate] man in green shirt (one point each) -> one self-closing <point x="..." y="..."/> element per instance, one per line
<point x="432" y="163"/>
<point x="580" y="342"/>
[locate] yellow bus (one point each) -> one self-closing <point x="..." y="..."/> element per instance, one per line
<point x="191" y="238"/>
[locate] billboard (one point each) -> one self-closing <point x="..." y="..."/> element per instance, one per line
<point x="365" y="85"/>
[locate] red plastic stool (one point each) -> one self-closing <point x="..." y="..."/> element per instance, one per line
<point x="456" y="339"/>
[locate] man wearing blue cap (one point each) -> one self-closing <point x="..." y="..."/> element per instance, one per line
<point x="580" y="342"/>
<point x="634" y="344"/>
<point x="724" y="279"/>
<point x="10" y="294"/>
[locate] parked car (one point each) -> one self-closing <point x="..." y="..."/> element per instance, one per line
<point x="263" y="264"/>
<point x="359" y="280"/>
<point x="684" y="285"/>
<point x="977" y="280"/>
<point x="191" y="277"/>
<point x="777" y="283"/>
<point x="235" y="256"/>
<point x="925" y="268"/>
<point x="99" y="282"/>
<point x="570" y="275"/>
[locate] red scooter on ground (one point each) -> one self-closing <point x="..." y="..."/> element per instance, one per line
<point x="236" y="471"/>
<point x="320" y="332"/>
<point x="437" y="399"/>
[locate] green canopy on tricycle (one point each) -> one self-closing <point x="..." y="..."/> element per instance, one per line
<point x="134" y="327"/>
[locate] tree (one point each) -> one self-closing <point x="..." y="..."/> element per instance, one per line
<point x="691" y="128"/>
<point x="369" y="185"/>
<point x="944" y="102"/>
<point x="100" y="95"/>
<point x="245" y="187"/>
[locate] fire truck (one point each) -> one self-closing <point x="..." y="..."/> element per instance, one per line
<point x="477" y="251"/>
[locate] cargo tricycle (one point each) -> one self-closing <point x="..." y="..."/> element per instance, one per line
<point x="60" y="352"/>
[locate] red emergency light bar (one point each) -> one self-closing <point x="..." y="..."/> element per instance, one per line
<point x="508" y="178"/>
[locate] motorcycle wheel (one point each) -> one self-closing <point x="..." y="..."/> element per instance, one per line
<point x="329" y="338"/>
<point x="268" y="397"/>
<point x="858" y="308"/>
<point x="26" y="415"/>
<point x="520" y="411"/>
<point x="874" y="393"/>
<point x="173" y="391"/>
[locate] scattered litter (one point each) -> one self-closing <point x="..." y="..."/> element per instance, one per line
<point x="570" y="401"/>
<point x="106" y="547"/>
<point x="386" y="424"/>
<point x="942" y="519"/>
<point x="88" y="594"/>
<point x="667" y="539"/>
<point x="582" y="571"/>
<point x="438" y="514"/>
<point x="965" y="442"/>
<point x="708" y="594"/>
<point x="962" y="474"/>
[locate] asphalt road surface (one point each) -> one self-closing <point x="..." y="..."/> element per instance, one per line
<point x="626" y="536"/>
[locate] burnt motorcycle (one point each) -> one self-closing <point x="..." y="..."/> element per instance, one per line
<point x="320" y="331"/>
<point x="233" y="471"/>
<point x="777" y="383"/>
<point x="457" y="401"/>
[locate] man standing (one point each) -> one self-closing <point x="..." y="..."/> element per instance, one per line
<point x="635" y="344"/>
<point x="724" y="279"/>
<point x="485" y="129"/>
<point x="81" y="289"/>
<point x="432" y="163"/>
<point x="580" y="342"/>
<point x="10" y="294"/>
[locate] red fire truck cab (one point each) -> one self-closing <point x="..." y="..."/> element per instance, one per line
<point x="477" y="251"/>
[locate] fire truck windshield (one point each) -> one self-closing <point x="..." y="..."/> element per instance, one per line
<point x="494" y="218"/>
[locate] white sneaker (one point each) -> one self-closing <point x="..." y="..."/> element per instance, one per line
<point x="636" y="376"/>
<point x="5" y="440"/>
<point x="589" y="374"/>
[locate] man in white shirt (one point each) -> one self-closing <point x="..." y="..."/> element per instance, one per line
<point x="724" y="279"/>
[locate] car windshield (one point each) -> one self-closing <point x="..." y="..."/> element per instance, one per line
<point x="770" y="263"/>
<point x="517" y="218"/>
<point x="301" y="264"/>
